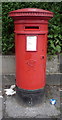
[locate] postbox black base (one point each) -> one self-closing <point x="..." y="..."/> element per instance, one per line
<point x="31" y="97"/>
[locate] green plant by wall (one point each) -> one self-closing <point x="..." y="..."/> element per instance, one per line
<point x="55" y="26"/>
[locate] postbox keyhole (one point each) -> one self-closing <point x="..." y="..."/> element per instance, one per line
<point x="42" y="57"/>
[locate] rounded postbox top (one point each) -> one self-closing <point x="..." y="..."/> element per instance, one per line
<point x="27" y="12"/>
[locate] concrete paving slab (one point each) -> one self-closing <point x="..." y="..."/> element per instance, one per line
<point x="0" y="108"/>
<point x="14" y="107"/>
<point x="53" y="92"/>
<point x="1" y="97"/>
<point x="16" y="110"/>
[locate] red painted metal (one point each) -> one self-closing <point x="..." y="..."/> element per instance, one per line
<point x="31" y="65"/>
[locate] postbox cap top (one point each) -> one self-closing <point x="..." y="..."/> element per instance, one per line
<point x="31" y="12"/>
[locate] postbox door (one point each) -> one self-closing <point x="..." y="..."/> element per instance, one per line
<point x="30" y="63"/>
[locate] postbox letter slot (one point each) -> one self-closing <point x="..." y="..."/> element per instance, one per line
<point x="32" y="27"/>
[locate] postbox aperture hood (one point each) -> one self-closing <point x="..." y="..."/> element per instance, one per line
<point x="33" y="12"/>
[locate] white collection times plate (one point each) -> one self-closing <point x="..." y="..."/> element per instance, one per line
<point x="31" y="43"/>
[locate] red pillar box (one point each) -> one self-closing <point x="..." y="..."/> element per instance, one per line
<point x="31" y="29"/>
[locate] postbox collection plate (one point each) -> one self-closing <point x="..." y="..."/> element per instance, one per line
<point x="31" y="43"/>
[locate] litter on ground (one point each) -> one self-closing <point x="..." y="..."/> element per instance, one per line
<point x="1" y="96"/>
<point x="52" y="101"/>
<point x="10" y="90"/>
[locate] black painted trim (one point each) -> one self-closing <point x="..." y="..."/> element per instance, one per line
<point x="30" y="91"/>
<point x="31" y="97"/>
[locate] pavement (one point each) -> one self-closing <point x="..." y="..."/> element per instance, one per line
<point x="0" y="97"/>
<point x="14" y="107"/>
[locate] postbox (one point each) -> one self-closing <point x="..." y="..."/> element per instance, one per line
<point x="31" y="30"/>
